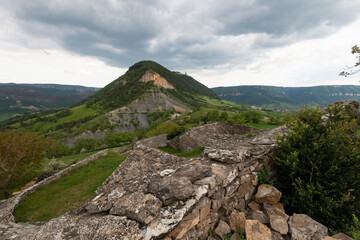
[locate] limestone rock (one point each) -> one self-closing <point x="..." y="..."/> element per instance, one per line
<point x="256" y="231"/>
<point x="171" y="189"/>
<point x="237" y="221"/>
<point x="138" y="206"/>
<point x="303" y="227"/>
<point x="342" y="236"/>
<point x="270" y="210"/>
<point x="86" y="226"/>
<point x="222" y="229"/>
<point x="327" y="238"/>
<point x="193" y="172"/>
<point x="254" y="206"/>
<point x="260" y="216"/>
<point x="267" y="194"/>
<point x="279" y="224"/>
<point x="276" y="236"/>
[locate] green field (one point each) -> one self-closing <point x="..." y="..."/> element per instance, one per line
<point x="69" y="192"/>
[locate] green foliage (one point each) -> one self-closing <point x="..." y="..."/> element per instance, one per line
<point x="227" y="236"/>
<point x="318" y="167"/>
<point x="56" y="149"/>
<point x="241" y="234"/>
<point x="354" y="229"/>
<point x="21" y="155"/>
<point x="54" y="165"/>
<point x="252" y="116"/>
<point x="172" y="129"/>
<point x="211" y="233"/>
<point x="121" y="138"/>
<point x="69" y="192"/>
<point x="354" y="69"/>
<point x="265" y="176"/>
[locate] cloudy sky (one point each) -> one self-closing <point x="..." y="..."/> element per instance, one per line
<point x="219" y="43"/>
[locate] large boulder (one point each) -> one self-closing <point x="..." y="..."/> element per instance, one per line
<point x="267" y="194"/>
<point x="257" y="231"/>
<point x="303" y="227"/>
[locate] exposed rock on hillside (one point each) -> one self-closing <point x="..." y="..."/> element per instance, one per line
<point x="157" y="79"/>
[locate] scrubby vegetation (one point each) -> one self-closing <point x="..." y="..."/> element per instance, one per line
<point x="21" y="155"/>
<point x="318" y="167"/>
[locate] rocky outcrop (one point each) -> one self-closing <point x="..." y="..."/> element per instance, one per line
<point x="159" y="81"/>
<point x="155" y="195"/>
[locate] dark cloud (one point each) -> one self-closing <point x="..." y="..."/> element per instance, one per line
<point x="180" y="33"/>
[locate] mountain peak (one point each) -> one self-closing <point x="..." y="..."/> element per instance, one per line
<point x="148" y="76"/>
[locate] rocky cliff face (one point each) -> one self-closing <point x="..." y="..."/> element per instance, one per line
<point x="155" y="195"/>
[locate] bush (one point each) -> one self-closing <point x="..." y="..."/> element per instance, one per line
<point x="318" y="167"/>
<point x="21" y="156"/>
<point x="354" y="230"/>
<point x="54" y="165"/>
<point x="170" y="128"/>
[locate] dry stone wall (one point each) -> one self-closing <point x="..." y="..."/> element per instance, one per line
<point x="155" y="195"/>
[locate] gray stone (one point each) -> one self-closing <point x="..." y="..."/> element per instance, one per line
<point x="86" y="226"/>
<point x="267" y="194"/>
<point x="256" y="231"/>
<point x="237" y="221"/>
<point x="276" y="236"/>
<point x="279" y="224"/>
<point x="222" y="229"/>
<point x="138" y="206"/>
<point x="171" y="189"/>
<point x="260" y="216"/>
<point x="342" y="236"/>
<point x="270" y="210"/>
<point x="303" y="227"/>
<point x="193" y="172"/>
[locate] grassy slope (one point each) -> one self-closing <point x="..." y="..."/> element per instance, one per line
<point x="69" y="192"/>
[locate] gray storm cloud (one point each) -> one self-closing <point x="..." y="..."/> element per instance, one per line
<point x="180" y="33"/>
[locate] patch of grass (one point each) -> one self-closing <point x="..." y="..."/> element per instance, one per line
<point x="194" y="153"/>
<point x="68" y="160"/>
<point x="69" y="192"/>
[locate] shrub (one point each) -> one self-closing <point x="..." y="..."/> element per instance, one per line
<point x="54" y="165"/>
<point x="21" y="156"/>
<point x="318" y="167"/>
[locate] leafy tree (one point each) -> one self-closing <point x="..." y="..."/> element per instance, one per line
<point x="21" y="155"/>
<point x="318" y="167"/>
<point x="354" y="69"/>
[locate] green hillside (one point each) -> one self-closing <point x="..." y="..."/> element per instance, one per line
<point x="127" y="88"/>
<point x="17" y="99"/>
<point x="121" y="111"/>
<point x="287" y="98"/>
